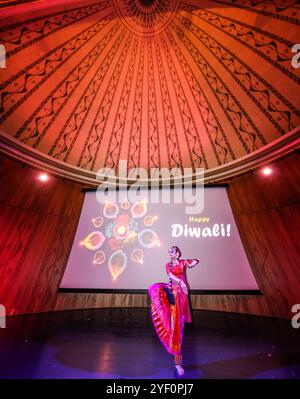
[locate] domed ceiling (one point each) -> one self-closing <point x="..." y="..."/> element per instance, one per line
<point x="159" y="83"/>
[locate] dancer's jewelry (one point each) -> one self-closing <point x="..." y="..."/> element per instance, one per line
<point x="178" y="364"/>
<point x="178" y="360"/>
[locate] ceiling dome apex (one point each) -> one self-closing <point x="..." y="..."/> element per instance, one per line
<point x="146" y="17"/>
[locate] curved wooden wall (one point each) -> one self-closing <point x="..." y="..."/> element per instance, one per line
<point x="38" y="222"/>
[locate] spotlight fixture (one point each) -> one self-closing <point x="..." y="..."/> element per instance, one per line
<point x="43" y="177"/>
<point x="267" y="171"/>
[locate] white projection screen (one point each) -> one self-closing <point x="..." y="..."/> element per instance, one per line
<point x="124" y="246"/>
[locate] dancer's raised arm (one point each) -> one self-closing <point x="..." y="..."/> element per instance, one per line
<point x="190" y="263"/>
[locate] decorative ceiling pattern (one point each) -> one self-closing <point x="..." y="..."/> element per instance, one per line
<point x="159" y="83"/>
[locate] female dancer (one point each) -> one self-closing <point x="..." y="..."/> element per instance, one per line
<point x="168" y="318"/>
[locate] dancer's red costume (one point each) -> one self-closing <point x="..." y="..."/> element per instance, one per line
<point x="169" y="319"/>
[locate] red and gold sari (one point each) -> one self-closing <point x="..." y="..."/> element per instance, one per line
<point x="169" y="319"/>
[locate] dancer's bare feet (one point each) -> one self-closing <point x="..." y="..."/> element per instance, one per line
<point x="180" y="370"/>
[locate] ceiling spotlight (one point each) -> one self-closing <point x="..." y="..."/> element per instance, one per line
<point x="267" y="171"/>
<point x="43" y="177"/>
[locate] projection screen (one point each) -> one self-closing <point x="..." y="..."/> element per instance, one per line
<point x="124" y="246"/>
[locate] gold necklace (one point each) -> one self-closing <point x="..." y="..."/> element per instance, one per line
<point x="175" y="263"/>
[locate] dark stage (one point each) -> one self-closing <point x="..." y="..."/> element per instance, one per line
<point x="121" y="343"/>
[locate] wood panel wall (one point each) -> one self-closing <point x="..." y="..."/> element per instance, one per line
<point x="38" y="223"/>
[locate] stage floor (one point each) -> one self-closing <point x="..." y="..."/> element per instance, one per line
<point x="121" y="343"/>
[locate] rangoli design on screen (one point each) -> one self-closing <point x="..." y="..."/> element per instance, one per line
<point x="127" y="229"/>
